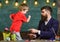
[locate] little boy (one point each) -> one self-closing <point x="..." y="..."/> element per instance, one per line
<point x="17" y="20"/>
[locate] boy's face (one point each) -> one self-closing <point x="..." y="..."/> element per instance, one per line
<point x="25" y="11"/>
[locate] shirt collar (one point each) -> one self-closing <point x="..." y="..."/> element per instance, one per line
<point x="48" y="19"/>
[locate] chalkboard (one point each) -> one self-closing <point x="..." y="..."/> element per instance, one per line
<point x="34" y="11"/>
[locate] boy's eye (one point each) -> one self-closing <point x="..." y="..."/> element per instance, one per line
<point x="42" y="11"/>
<point x="24" y="9"/>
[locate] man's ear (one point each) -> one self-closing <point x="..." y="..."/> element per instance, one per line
<point x="48" y="12"/>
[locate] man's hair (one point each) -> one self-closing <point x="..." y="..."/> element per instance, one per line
<point x="47" y="8"/>
<point x="23" y="7"/>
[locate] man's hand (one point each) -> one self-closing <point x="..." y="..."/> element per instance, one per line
<point x="34" y="30"/>
<point x="32" y="35"/>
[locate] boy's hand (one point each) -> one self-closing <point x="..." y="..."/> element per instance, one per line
<point x="11" y="16"/>
<point x="29" y="16"/>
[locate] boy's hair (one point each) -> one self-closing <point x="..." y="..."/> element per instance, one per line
<point x="47" y="8"/>
<point x="23" y="7"/>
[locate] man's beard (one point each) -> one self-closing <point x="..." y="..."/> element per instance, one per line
<point x="44" y="18"/>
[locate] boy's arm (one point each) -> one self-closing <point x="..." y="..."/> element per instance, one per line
<point x="24" y="19"/>
<point x="29" y="17"/>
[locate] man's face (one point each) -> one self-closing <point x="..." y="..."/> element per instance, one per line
<point x="44" y="14"/>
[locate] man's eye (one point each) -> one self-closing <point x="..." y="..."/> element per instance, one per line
<point x="42" y="11"/>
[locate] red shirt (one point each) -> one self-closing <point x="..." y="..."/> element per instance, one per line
<point x="18" y="19"/>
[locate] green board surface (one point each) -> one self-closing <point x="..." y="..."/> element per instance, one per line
<point x="34" y="11"/>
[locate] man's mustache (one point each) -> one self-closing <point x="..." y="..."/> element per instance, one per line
<point x="43" y="18"/>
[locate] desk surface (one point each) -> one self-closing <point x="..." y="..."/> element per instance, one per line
<point x="33" y="41"/>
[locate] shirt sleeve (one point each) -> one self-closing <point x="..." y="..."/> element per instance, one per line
<point x="24" y="19"/>
<point x="12" y="16"/>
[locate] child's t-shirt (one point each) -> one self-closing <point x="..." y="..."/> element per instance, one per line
<point x="18" y="19"/>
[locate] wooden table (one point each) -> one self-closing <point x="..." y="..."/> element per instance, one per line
<point x="32" y="41"/>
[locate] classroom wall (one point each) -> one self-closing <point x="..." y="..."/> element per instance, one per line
<point x="34" y="11"/>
